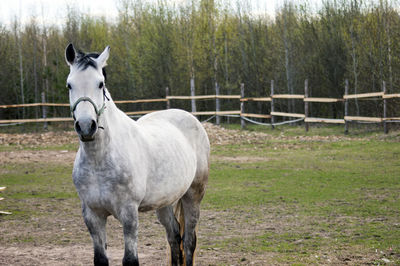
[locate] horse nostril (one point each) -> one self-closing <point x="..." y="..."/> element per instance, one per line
<point x="77" y="127"/>
<point x="86" y="127"/>
<point x="93" y="127"/>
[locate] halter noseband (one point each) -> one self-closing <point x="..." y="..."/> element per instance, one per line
<point x="82" y="99"/>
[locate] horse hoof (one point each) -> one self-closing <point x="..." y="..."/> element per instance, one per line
<point x="130" y="261"/>
<point x="100" y="260"/>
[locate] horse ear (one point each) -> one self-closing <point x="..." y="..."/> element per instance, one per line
<point x="102" y="59"/>
<point x="70" y="54"/>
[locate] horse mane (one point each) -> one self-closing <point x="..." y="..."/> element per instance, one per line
<point x="85" y="60"/>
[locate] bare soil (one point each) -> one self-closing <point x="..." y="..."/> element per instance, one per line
<point x="32" y="140"/>
<point x="29" y="156"/>
<point x="62" y="238"/>
<point x="24" y="144"/>
<point x="217" y="135"/>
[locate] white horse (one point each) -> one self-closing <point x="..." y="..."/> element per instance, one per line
<point x="160" y="162"/>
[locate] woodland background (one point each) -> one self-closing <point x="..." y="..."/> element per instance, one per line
<point x="158" y="45"/>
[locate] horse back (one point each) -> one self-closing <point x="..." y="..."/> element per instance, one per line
<point x="191" y="128"/>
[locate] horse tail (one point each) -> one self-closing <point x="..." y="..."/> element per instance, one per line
<point x="180" y="217"/>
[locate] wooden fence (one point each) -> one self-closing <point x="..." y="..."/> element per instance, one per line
<point x="241" y="112"/>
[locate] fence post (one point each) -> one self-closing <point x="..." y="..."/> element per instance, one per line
<point x="217" y="104"/>
<point x="242" y="122"/>
<point x="306" y="103"/>
<point x="44" y="109"/>
<point x="346" y="107"/>
<point x="385" y="127"/>
<point x="272" y="104"/>
<point x="166" y="97"/>
<point x="192" y="93"/>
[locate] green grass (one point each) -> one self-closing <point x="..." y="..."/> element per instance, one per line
<point x="38" y="127"/>
<point x="320" y="197"/>
<point x="13" y="147"/>
<point x="346" y="191"/>
<point x="355" y="130"/>
<point x="37" y="181"/>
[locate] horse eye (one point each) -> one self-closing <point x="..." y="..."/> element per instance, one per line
<point x="101" y="84"/>
<point x="69" y="86"/>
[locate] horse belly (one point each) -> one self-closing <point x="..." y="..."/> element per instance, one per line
<point x="170" y="178"/>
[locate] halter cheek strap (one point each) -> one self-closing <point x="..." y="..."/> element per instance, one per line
<point x="83" y="99"/>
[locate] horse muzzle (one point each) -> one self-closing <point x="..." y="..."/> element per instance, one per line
<point x="86" y="129"/>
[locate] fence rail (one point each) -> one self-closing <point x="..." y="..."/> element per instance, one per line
<point x="288" y="114"/>
<point x="33" y="105"/>
<point x="287" y="96"/>
<point x="324" y="120"/>
<point x="142" y="101"/>
<point x="363" y="95"/>
<point x="363" y="118"/>
<point x="322" y="100"/>
<point x="255" y="99"/>
<point x="241" y="113"/>
<point x="388" y="96"/>
<point x="203" y="97"/>
<point x="37" y="120"/>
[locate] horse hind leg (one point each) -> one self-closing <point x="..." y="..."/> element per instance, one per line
<point x="191" y="212"/>
<point x="167" y="218"/>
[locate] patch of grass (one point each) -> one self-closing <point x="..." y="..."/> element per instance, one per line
<point x="342" y="194"/>
<point x="69" y="147"/>
<point x="29" y="181"/>
<point x="38" y="127"/>
<point x="11" y="147"/>
<point x="314" y="129"/>
<point x="22" y="239"/>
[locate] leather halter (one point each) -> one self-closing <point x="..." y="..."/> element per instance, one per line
<point x="96" y="109"/>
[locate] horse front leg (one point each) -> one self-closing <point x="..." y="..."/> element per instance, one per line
<point x="97" y="228"/>
<point x="130" y="222"/>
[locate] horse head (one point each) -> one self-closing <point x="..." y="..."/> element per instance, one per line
<point x="87" y="92"/>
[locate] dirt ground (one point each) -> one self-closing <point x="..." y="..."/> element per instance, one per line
<point x="67" y="220"/>
<point x="152" y="242"/>
<point x="217" y="135"/>
<point x="73" y="245"/>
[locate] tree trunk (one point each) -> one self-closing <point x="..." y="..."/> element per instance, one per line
<point x="288" y="70"/>
<point x="45" y="89"/>
<point x="355" y="64"/>
<point x="389" y="48"/>
<point x="244" y="76"/>
<point x="35" y="78"/>
<point x="21" y="70"/>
